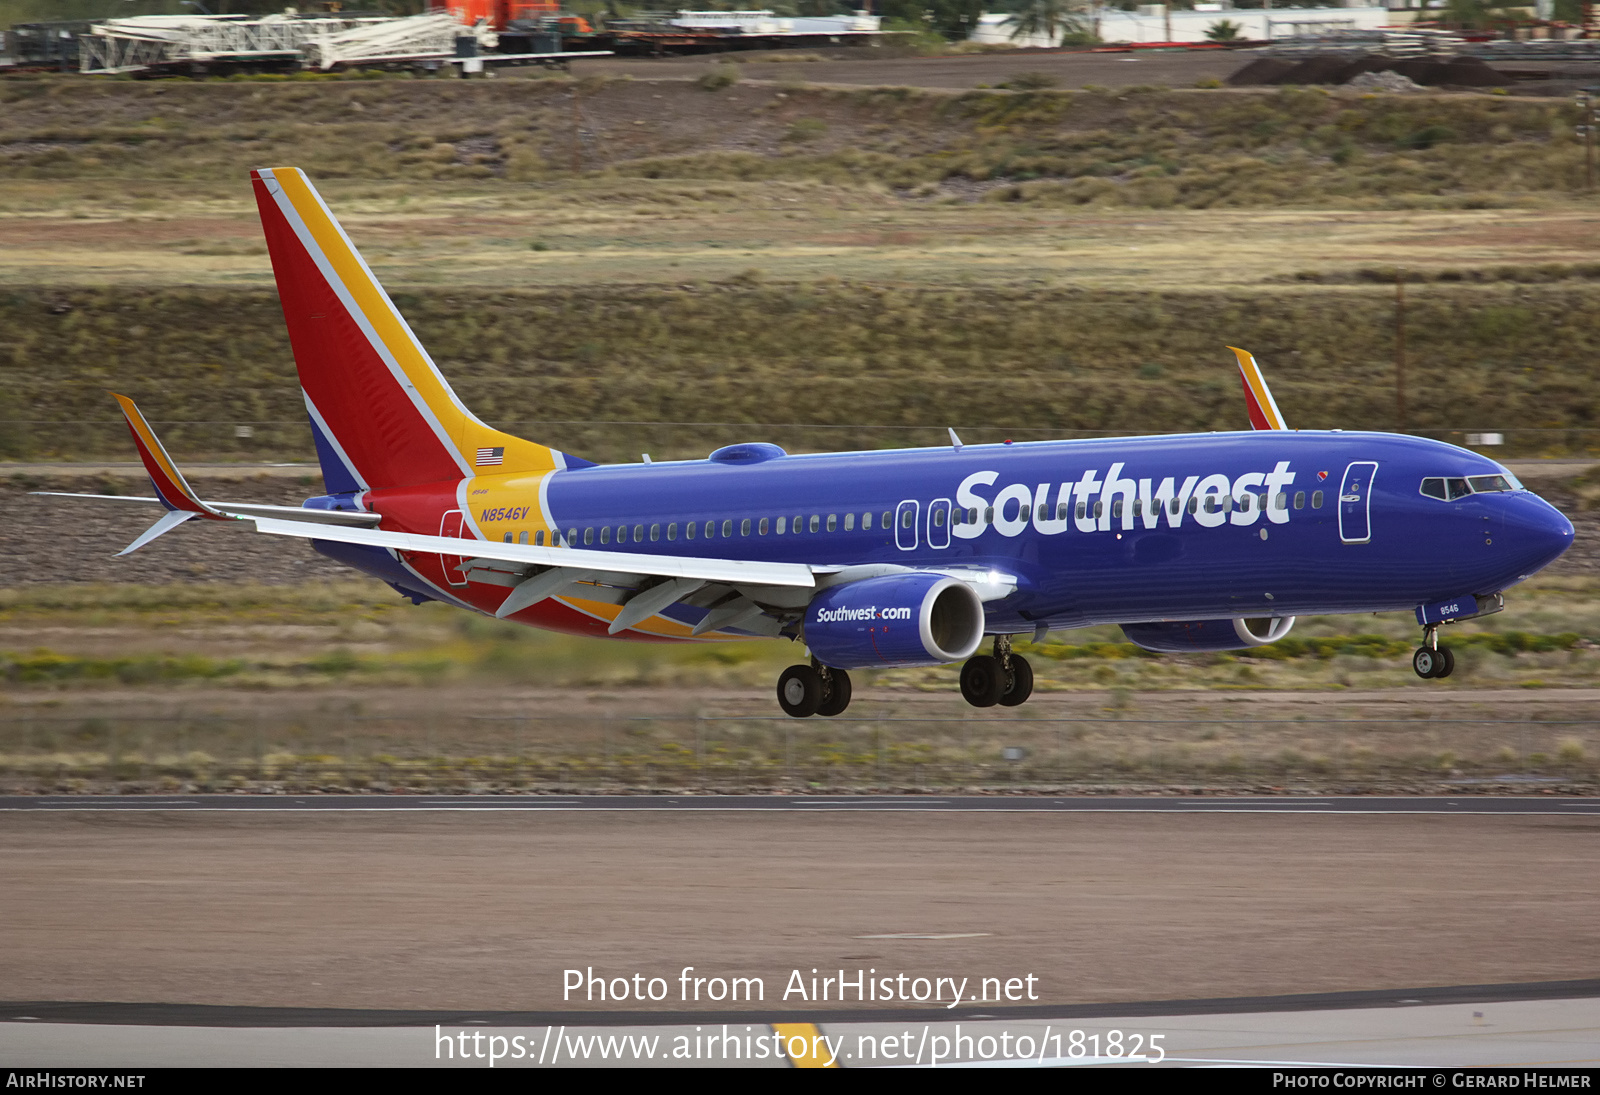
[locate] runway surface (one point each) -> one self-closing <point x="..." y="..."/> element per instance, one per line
<point x="1545" y="805"/>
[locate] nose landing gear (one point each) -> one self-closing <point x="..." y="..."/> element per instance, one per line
<point x="1002" y="678"/>
<point x="1432" y="661"/>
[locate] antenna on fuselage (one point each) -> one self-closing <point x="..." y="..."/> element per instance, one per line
<point x="955" y="441"/>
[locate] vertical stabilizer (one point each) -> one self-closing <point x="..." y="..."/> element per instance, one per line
<point x="382" y="413"/>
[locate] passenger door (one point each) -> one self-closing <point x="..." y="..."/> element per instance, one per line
<point x="1355" y="502"/>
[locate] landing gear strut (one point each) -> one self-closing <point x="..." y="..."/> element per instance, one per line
<point x="1000" y="678"/>
<point x="1432" y="661"/>
<point x="815" y="689"/>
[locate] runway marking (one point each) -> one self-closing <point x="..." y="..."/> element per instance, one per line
<point x="928" y="935"/>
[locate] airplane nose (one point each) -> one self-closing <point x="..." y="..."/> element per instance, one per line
<point x="1537" y="533"/>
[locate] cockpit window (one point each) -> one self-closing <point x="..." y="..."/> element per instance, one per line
<point x="1446" y="490"/>
<point x="1487" y="484"/>
<point x="1449" y="489"/>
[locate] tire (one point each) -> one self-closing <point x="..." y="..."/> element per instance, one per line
<point x="800" y="691"/>
<point x="1019" y="685"/>
<point x="1427" y="663"/>
<point x="838" y="694"/>
<point x="1449" y="665"/>
<point x="981" y="681"/>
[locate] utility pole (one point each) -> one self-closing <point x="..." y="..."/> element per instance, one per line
<point x="1400" y="346"/>
<point x="1586" y="105"/>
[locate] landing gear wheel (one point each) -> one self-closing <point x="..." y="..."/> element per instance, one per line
<point x="982" y="681"/>
<point x="837" y="688"/>
<point x="1019" y="683"/>
<point x="800" y="691"/>
<point x="1428" y="662"/>
<point x="1449" y="665"/>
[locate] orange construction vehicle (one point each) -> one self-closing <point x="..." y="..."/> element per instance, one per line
<point x="500" y="13"/>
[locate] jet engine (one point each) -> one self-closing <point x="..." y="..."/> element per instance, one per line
<point x="1187" y="637"/>
<point x="897" y="619"/>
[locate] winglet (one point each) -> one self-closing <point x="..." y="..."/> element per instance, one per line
<point x="170" y="486"/>
<point x="1264" y="413"/>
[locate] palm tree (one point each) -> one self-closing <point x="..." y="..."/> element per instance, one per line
<point x="1047" y="19"/>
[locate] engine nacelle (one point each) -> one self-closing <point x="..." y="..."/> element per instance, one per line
<point x="1187" y="637"/>
<point x="898" y="619"/>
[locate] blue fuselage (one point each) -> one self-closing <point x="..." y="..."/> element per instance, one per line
<point x="1105" y="531"/>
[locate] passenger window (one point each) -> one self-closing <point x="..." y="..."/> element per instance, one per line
<point x="762" y="528"/>
<point x="711" y="529"/>
<point x="655" y="533"/>
<point x="783" y="525"/>
<point x="744" y="527"/>
<point x="849" y="522"/>
<point x="1227" y="503"/>
<point x="1316" y="499"/>
<point x="538" y="538"/>
<point x="1083" y="509"/>
<point x="622" y="534"/>
<point x="1116" y="508"/>
<point x="1174" y="506"/>
<point x="988" y="515"/>
<point x="885" y="522"/>
<point x="727" y="528"/>
<point x="1099" y="508"/>
<point x="972" y="515"/>
<point x="1194" y="505"/>
<point x="672" y="531"/>
<point x="866" y="521"/>
<point x="1211" y="504"/>
<point x="1044" y="511"/>
<point x="815" y="523"/>
<point x="1061" y="511"/>
<point x="507" y="537"/>
<point x="1299" y="499"/>
<point x="1247" y="502"/>
<point x="938" y="518"/>
<point x="638" y="534"/>
<point x="572" y="536"/>
<point x="588" y="537"/>
<point x="605" y="535"/>
<point x="689" y="529"/>
<point x="833" y="522"/>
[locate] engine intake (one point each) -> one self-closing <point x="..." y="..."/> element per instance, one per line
<point x="1187" y="637"/>
<point x="898" y="619"/>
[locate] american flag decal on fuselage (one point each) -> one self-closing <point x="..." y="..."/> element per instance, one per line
<point x="490" y="457"/>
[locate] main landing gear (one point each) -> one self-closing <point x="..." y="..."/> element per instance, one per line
<point x="1432" y="661"/>
<point x="1000" y="678"/>
<point x="815" y="689"/>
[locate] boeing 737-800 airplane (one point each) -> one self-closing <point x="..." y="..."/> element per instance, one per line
<point x="892" y="558"/>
